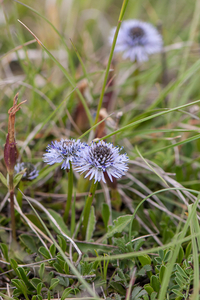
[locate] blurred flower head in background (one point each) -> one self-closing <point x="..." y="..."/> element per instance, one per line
<point x="30" y="173"/>
<point x="137" y="40"/>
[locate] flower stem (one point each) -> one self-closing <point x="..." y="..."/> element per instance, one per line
<point x="86" y="211"/>
<point x="19" y="194"/>
<point x="12" y="209"/>
<point x="123" y="9"/>
<point x="136" y="82"/>
<point x="69" y="195"/>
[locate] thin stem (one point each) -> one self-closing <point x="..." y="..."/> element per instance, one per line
<point x="136" y="81"/>
<point x="19" y="195"/>
<point x="124" y="5"/>
<point x="164" y="74"/>
<point x="73" y="216"/>
<point x="12" y="209"/>
<point x="163" y="63"/>
<point x="69" y="195"/>
<point x="86" y="212"/>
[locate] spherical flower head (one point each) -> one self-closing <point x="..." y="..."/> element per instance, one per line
<point x="31" y="171"/>
<point x="137" y="40"/>
<point x="101" y="158"/>
<point x="64" y="151"/>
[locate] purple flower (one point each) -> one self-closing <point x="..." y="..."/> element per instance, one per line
<point x="137" y="40"/>
<point x="101" y="158"/>
<point x="31" y="171"/>
<point x="65" y="151"/>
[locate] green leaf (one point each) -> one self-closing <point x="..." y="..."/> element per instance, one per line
<point x="16" y="294"/>
<point x="18" y="177"/>
<point x="121" y="275"/>
<point x="49" y="295"/>
<point x="60" y="222"/>
<point x="181" y="271"/>
<point x="86" y="268"/>
<point x="158" y="260"/>
<point x="60" y="260"/>
<point x="23" y="275"/>
<point x="91" y="224"/>
<point x="66" y="268"/>
<point x="5" y="297"/>
<point x="167" y="256"/>
<point x="117" y="297"/>
<point x="188" y="250"/>
<point x="4" y="249"/>
<point x="35" y="282"/>
<point x="118" y="287"/>
<point x="52" y="250"/>
<point x="180" y="280"/>
<point x="155" y="283"/>
<point x="63" y="281"/>
<point x="161" y="254"/>
<point x="148" y="288"/>
<point x="17" y="283"/>
<point x="20" y="285"/>
<point x="54" y="283"/>
<point x="153" y="296"/>
<point x="140" y="294"/>
<point x="41" y="270"/>
<point x="42" y="250"/>
<point x="145" y="297"/>
<point x="37" y="297"/>
<point x="135" y="292"/>
<point x="161" y="273"/>
<point x="58" y="267"/>
<point x="34" y="219"/>
<point x="180" y="255"/>
<point x="13" y="264"/>
<point x="66" y="292"/>
<point x="145" y="270"/>
<point x="144" y="260"/>
<point x="3" y="179"/>
<point x="29" y="242"/>
<point x="138" y="244"/>
<point x="62" y="243"/>
<point x="105" y="214"/>
<point x="178" y="293"/>
<point x="39" y="287"/>
<point x="119" y="224"/>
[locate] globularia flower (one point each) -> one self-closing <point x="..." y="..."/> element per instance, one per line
<point x="63" y="151"/>
<point x="31" y="171"/>
<point x="101" y="158"/>
<point x="137" y="40"/>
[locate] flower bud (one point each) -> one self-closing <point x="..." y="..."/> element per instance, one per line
<point x="10" y="154"/>
<point x="10" y="149"/>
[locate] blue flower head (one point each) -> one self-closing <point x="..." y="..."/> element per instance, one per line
<point x="137" y="40"/>
<point x="31" y="171"/>
<point x="64" y="151"/>
<point x="101" y="158"/>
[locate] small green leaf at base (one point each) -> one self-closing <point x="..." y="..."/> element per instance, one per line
<point x="91" y="224"/>
<point x="3" y="179"/>
<point x="119" y="224"/>
<point x="18" y="177"/>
